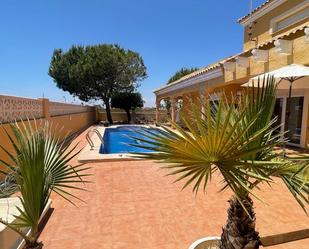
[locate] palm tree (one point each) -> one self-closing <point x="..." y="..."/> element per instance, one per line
<point x="38" y="165"/>
<point x="237" y="140"/>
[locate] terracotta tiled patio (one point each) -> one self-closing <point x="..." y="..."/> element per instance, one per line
<point x="132" y="205"/>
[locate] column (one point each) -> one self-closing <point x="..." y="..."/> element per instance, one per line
<point x="45" y="107"/>
<point x="202" y="92"/>
<point x="157" y="110"/>
<point x="174" y="108"/>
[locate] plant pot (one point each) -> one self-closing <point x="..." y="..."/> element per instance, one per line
<point x="206" y="243"/>
<point x="9" y="212"/>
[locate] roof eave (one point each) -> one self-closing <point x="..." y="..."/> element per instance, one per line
<point x="220" y="63"/>
<point x="210" y="74"/>
<point x="260" y="11"/>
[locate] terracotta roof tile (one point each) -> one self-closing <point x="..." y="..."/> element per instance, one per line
<point x="200" y="71"/>
<point x="196" y="73"/>
<point x="255" y="10"/>
<point x="219" y="63"/>
<point x="191" y="75"/>
<point x="284" y="35"/>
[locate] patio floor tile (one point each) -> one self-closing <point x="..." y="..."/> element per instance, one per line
<point x="132" y="205"/>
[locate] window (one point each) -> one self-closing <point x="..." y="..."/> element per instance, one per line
<point x="298" y="13"/>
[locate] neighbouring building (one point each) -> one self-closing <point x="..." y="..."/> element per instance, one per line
<point x="276" y="34"/>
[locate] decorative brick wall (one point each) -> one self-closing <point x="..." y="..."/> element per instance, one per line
<point x="17" y="108"/>
<point x="66" y="119"/>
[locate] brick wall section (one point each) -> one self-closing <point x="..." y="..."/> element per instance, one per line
<point x="12" y="108"/>
<point x="56" y="108"/>
<point x="17" y="108"/>
<point x="142" y="115"/>
<point x="66" y="119"/>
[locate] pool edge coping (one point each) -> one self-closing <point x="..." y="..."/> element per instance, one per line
<point x="93" y="155"/>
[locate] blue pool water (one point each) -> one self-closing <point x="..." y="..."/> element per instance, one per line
<point x="116" y="140"/>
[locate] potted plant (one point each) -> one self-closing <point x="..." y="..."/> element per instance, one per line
<point x="235" y="138"/>
<point x="207" y="242"/>
<point x="38" y="165"/>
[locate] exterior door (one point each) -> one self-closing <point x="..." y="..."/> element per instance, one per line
<point x="293" y="119"/>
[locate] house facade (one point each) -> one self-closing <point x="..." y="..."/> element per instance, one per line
<point x="276" y="34"/>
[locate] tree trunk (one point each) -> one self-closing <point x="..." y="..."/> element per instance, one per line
<point x="128" y="116"/>
<point x="34" y="245"/>
<point x="108" y="111"/>
<point x="239" y="232"/>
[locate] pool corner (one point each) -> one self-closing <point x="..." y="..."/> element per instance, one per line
<point x="92" y="154"/>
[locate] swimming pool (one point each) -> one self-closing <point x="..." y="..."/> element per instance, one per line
<point x="117" y="139"/>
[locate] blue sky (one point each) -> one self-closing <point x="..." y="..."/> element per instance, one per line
<point x="169" y="34"/>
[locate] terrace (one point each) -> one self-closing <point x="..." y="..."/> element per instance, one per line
<point x="132" y="205"/>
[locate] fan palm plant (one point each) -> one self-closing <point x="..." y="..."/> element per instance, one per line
<point x="38" y="165"/>
<point x="236" y="141"/>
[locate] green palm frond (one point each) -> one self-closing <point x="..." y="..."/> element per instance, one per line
<point x="295" y="175"/>
<point x="225" y="138"/>
<point x="39" y="165"/>
<point x="235" y="139"/>
<point x="262" y="99"/>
